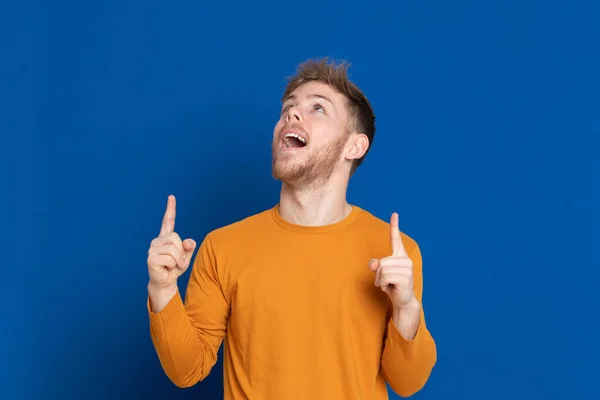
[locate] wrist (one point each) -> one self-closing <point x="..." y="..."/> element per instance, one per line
<point x="159" y="288"/>
<point x="407" y="319"/>
<point x="160" y="296"/>
<point x="412" y="307"/>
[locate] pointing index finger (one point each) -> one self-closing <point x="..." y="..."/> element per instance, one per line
<point x="168" y="223"/>
<point x="397" y="245"/>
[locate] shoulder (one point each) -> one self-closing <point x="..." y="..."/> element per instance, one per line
<point x="241" y="230"/>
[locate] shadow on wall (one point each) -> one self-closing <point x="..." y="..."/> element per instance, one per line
<point x="232" y="181"/>
<point x="96" y="342"/>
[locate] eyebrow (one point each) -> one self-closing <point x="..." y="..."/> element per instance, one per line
<point x="311" y="96"/>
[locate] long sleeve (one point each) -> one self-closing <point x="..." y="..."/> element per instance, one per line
<point x="187" y="335"/>
<point x="407" y="364"/>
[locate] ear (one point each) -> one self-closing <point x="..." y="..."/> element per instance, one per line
<point x="357" y="146"/>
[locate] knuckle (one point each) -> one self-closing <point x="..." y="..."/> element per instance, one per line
<point x="173" y="250"/>
<point x="151" y="262"/>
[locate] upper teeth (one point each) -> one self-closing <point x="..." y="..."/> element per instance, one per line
<point x="295" y="135"/>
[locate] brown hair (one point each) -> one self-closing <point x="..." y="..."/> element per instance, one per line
<point x="361" y="115"/>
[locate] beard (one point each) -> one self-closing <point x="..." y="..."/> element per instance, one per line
<point x="316" y="169"/>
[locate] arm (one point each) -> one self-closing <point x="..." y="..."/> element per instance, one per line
<point x="187" y="336"/>
<point x="409" y="351"/>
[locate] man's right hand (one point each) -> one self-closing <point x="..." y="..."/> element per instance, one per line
<point x="168" y="258"/>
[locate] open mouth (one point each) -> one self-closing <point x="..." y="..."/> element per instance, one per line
<point x="293" y="140"/>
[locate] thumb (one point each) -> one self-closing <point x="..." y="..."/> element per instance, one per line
<point x="189" y="245"/>
<point x="374" y="264"/>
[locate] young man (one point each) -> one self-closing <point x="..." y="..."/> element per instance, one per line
<point x="315" y="298"/>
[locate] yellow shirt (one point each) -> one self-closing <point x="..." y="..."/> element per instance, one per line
<point x="299" y="313"/>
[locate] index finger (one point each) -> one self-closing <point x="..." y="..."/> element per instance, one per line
<point x="168" y="223"/>
<point x="397" y="245"/>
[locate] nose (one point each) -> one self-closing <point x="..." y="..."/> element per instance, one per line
<point x="293" y="114"/>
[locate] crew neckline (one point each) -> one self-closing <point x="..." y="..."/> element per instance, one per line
<point x="317" y="229"/>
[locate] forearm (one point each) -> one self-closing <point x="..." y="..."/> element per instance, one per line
<point x="184" y="356"/>
<point x="409" y="353"/>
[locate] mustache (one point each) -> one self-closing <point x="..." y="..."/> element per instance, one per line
<point x="293" y="127"/>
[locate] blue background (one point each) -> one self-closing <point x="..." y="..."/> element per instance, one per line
<point x="487" y="145"/>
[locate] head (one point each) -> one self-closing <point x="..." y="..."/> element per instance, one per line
<point x="326" y="126"/>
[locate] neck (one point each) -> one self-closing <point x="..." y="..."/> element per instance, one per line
<point x="316" y="205"/>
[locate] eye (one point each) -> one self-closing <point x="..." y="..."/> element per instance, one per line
<point x="284" y="109"/>
<point x="318" y="107"/>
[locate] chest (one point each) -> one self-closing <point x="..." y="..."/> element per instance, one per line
<point x="311" y="283"/>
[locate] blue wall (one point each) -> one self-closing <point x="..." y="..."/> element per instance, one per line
<point x="487" y="146"/>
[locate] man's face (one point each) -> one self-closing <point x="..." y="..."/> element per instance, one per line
<point x="309" y="138"/>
